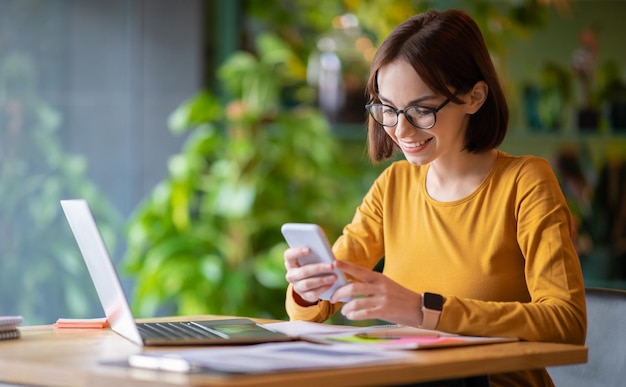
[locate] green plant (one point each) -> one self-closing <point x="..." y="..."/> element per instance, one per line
<point x="208" y="240"/>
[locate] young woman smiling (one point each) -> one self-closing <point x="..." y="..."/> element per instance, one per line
<point x="475" y="241"/>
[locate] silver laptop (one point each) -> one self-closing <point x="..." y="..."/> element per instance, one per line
<point x="117" y="310"/>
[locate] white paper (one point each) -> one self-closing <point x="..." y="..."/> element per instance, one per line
<point x="263" y="358"/>
<point x="387" y="337"/>
<point x="300" y="328"/>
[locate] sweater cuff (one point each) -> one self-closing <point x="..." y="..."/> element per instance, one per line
<point x="316" y="313"/>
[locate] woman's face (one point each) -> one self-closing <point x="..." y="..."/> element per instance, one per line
<point x="400" y="86"/>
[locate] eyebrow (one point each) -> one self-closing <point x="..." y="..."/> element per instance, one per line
<point x="412" y="102"/>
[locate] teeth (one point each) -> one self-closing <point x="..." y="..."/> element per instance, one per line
<point x="414" y="144"/>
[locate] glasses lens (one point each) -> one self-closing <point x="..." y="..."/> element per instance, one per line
<point x="384" y="115"/>
<point x="421" y="117"/>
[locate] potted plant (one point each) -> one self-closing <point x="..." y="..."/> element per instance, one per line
<point x="613" y="94"/>
<point x="584" y="65"/>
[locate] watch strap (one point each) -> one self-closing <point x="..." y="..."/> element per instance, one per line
<point x="432" y="304"/>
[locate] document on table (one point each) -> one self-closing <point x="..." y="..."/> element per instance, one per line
<point x="307" y="328"/>
<point x="9" y="327"/>
<point x="262" y="358"/>
<point x="321" y="346"/>
<point x="89" y="323"/>
<point x="392" y="337"/>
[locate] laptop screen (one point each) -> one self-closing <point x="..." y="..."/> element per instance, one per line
<point x="101" y="269"/>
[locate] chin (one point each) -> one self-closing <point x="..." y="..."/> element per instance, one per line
<point x="416" y="160"/>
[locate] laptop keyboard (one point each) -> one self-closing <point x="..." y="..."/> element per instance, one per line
<point x="178" y="330"/>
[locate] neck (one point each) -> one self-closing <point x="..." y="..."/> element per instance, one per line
<point x="457" y="177"/>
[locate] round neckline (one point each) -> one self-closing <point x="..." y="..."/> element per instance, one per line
<point x="467" y="198"/>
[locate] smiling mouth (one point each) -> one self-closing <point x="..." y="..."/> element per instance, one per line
<point x="415" y="144"/>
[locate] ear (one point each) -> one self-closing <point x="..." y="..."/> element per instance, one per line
<point x="477" y="96"/>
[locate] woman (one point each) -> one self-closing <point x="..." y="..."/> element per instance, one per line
<point x="475" y="241"/>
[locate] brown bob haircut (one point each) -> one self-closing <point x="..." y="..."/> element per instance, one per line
<point x="448" y="52"/>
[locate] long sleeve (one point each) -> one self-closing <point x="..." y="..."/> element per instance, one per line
<point x="555" y="310"/>
<point x="502" y="257"/>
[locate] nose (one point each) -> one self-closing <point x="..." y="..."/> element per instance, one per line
<point x="403" y="127"/>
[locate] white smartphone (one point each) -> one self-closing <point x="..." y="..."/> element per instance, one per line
<point x="312" y="236"/>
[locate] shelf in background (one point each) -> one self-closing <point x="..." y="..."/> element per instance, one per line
<point x="599" y="146"/>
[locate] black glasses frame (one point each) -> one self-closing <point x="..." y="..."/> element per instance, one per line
<point x="434" y="112"/>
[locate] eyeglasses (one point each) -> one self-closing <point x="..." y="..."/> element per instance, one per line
<point x="419" y="116"/>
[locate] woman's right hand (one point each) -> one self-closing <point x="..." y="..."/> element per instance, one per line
<point x="308" y="281"/>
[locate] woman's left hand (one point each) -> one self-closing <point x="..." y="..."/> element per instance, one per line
<point x="375" y="296"/>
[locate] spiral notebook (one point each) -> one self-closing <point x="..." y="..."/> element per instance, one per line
<point x="8" y="327"/>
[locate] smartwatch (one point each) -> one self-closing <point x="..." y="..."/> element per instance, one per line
<point x="432" y="304"/>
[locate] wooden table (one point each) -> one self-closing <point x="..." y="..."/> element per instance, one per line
<point x="46" y="356"/>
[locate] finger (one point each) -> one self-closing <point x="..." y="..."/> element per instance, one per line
<point x="312" y="270"/>
<point x="345" y="292"/>
<point x="315" y="284"/>
<point x="292" y="255"/>
<point x="361" y="308"/>
<point x="314" y="275"/>
<point x="353" y="289"/>
<point x="358" y="272"/>
<point x="310" y="289"/>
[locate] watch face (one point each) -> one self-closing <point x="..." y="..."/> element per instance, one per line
<point x="433" y="301"/>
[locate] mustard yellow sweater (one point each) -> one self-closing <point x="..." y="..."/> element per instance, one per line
<point x="502" y="257"/>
